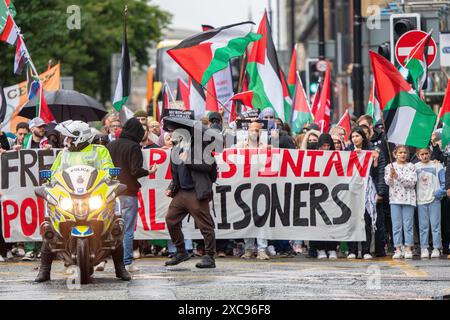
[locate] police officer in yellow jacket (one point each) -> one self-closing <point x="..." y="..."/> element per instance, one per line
<point x="79" y="150"/>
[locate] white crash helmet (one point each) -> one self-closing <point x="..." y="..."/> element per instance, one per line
<point x="78" y="130"/>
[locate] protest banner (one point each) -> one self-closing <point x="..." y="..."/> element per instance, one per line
<point x="16" y="97"/>
<point x="266" y="193"/>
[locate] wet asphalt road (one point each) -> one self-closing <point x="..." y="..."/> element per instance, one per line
<point x="236" y="279"/>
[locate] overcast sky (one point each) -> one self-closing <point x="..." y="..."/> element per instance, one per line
<point x="191" y="14"/>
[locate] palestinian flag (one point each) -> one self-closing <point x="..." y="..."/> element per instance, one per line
<point x="245" y="98"/>
<point x="444" y="116"/>
<point x="10" y="32"/>
<point x="287" y="100"/>
<point x="417" y="62"/>
<point x="322" y="115"/>
<point x="42" y="109"/>
<point x="408" y="120"/>
<point x="292" y="73"/>
<point x="373" y="107"/>
<point x="183" y="93"/>
<point x="197" y="98"/>
<point x="206" y="53"/>
<point x="212" y="104"/>
<point x="301" y="110"/>
<point x="124" y="80"/>
<point x="265" y="76"/>
<point x="346" y="124"/>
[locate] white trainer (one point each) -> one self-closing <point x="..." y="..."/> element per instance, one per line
<point x="271" y="251"/>
<point x="136" y="254"/>
<point x="1" y="258"/>
<point x="101" y="266"/>
<point x="408" y="255"/>
<point x="367" y="256"/>
<point x="397" y="255"/>
<point x="436" y="253"/>
<point x="351" y="256"/>
<point x="132" y="268"/>
<point x="321" y="255"/>
<point x="332" y="255"/>
<point x="424" y="254"/>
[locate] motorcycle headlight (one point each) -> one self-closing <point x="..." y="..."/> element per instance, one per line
<point x="66" y="204"/>
<point x="95" y="203"/>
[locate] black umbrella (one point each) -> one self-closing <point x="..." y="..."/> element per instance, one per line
<point x="67" y="105"/>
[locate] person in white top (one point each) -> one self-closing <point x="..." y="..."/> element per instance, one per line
<point x="430" y="190"/>
<point x="401" y="178"/>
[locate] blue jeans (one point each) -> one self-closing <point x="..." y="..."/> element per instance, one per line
<point x="187" y="244"/>
<point x="129" y="206"/>
<point x="430" y="213"/>
<point x="402" y="222"/>
<point x="250" y="244"/>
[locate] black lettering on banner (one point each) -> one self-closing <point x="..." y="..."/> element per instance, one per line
<point x="44" y="153"/>
<point x="245" y="208"/>
<point x="315" y="203"/>
<point x="223" y="225"/>
<point x="260" y="190"/>
<point x="346" y="212"/>
<point x="298" y="204"/>
<point x="7" y="169"/>
<point x="25" y="167"/>
<point x="276" y="207"/>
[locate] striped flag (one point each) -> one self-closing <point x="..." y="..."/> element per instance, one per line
<point x="346" y="123"/>
<point x="183" y="93"/>
<point x="373" y="107"/>
<point x="32" y="83"/>
<point x="21" y="57"/>
<point x="265" y="76"/>
<point x="292" y="77"/>
<point x="322" y="115"/>
<point x="444" y="116"/>
<point x="212" y="104"/>
<point x="301" y="110"/>
<point x="42" y="109"/>
<point x="124" y="80"/>
<point x="408" y="120"/>
<point x="417" y="62"/>
<point x="197" y="98"/>
<point x="10" y="32"/>
<point x="206" y="53"/>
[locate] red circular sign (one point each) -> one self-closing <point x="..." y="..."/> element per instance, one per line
<point x="407" y="42"/>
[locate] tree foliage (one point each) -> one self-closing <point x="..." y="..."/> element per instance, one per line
<point x="84" y="53"/>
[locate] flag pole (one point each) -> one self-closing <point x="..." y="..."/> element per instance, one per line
<point x="223" y="106"/>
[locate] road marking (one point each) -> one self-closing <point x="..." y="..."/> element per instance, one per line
<point x="409" y="270"/>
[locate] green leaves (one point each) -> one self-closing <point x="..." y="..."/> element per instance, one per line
<point x="84" y="53"/>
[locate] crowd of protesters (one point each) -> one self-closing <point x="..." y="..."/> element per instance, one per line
<point x="407" y="203"/>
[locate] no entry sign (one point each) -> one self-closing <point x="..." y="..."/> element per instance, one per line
<point x="407" y="42"/>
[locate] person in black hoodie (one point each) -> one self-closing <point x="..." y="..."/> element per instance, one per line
<point x="126" y="154"/>
<point x="191" y="191"/>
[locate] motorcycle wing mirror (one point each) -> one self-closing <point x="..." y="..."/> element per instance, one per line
<point x="45" y="174"/>
<point x="121" y="189"/>
<point x="114" y="172"/>
<point x="40" y="192"/>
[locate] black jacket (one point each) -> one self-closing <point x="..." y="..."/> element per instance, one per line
<point x="203" y="176"/>
<point x="126" y="154"/>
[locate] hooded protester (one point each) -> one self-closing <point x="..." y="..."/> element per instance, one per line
<point x="269" y="115"/>
<point x="310" y="141"/>
<point x="126" y="154"/>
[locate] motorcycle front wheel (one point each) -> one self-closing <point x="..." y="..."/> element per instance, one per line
<point x="83" y="260"/>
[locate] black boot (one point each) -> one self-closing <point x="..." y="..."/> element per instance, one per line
<point x="121" y="272"/>
<point x="178" y="258"/>
<point x="46" y="264"/>
<point x="207" y="262"/>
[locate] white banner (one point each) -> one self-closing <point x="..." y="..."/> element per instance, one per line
<point x="271" y="194"/>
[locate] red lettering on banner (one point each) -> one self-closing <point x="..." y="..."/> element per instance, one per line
<point x="152" y="201"/>
<point x="354" y="162"/>
<point x="268" y="167"/>
<point x="28" y="228"/>
<point x="287" y="160"/>
<point x="9" y="216"/>
<point x="41" y="210"/>
<point x="141" y="212"/>
<point x="337" y="164"/>
<point x="313" y="154"/>
<point x="162" y="157"/>
<point x="233" y="169"/>
<point x="248" y="153"/>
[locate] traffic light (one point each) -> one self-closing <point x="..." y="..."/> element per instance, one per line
<point x="384" y="50"/>
<point x="312" y="77"/>
<point x="399" y="25"/>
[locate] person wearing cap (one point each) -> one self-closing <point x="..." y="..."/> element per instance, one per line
<point x="36" y="138"/>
